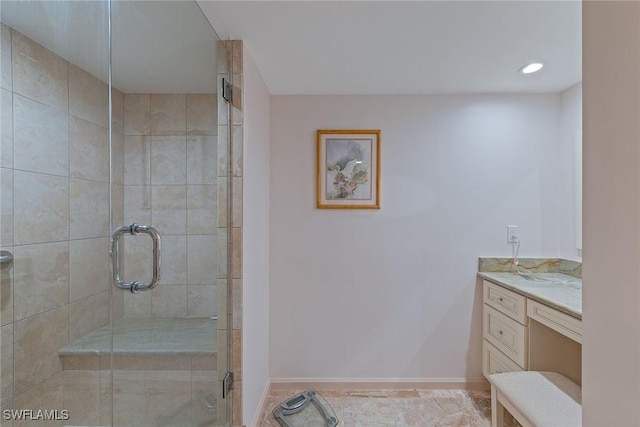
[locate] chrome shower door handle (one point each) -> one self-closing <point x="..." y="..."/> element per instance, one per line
<point x="135" y="285"/>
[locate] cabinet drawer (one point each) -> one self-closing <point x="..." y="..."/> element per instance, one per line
<point x="506" y="334"/>
<point x="495" y="362"/>
<point x="505" y="301"/>
<point x="567" y="325"/>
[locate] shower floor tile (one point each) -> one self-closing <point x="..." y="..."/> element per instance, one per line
<point x="397" y="408"/>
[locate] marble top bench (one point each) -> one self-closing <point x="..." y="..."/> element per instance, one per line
<point x="149" y="337"/>
<point x="534" y="398"/>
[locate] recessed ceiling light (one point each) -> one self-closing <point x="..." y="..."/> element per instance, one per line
<point x="531" y="68"/>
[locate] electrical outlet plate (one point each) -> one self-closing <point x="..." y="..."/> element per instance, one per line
<point x="512" y="234"/>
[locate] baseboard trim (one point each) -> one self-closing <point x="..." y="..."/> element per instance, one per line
<point x="380" y="383"/>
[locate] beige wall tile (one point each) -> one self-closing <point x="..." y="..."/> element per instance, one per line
<point x="236" y="257"/>
<point x="129" y="398"/>
<point x="222" y="409"/>
<point x="6" y="292"/>
<point x="8" y="406"/>
<point x="222" y="353"/>
<point x="6" y="207"/>
<point x="81" y="363"/>
<point x="168" y="114"/>
<point x="89" y="150"/>
<point x="129" y="363"/>
<point x="202" y="300"/>
<point x="204" y="363"/>
<point x="117" y="158"/>
<point x="138" y="258"/>
<point x="204" y="397"/>
<point x="223" y="151"/>
<point x="174" y="260"/>
<point x="89" y="209"/>
<point x="201" y="260"/>
<point x="41" y="277"/>
<point x="237" y="116"/>
<point x="202" y="159"/>
<point x="88" y="315"/>
<point x="88" y="97"/>
<point x="168" y="160"/>
<point x="41" y="208"/>
<point x="117" y="205"/>
<point x="117" y="305"/>
<point x="137" y="109"/>
<point x="137" y="305"/>
<point x="236" y="404"/>
<point x="223" y="190"/>
<point x="6" y="76"/>
<point x="169" y="208"/>
<point x="38" y="73"/>
<point x="170" y="404"/>
<point x="6" y="364"/>
<point x="105" y="389"/>
<point x="137" y="204"/>
<point x="237" y="143"/>
<point x="82" y="397"/>
<point x="237" y="303"/>
<point x="40" y="138"/>
<point x="202" y="114"/>
<point x="6" y="131"/>
<point x="236" y="354"/>
<point x="169" y="301"/>
<point x="88" y="267"/>
<point x="221" y="252"/>
<point x="222" y="304"/>
<point x="236" y="56"/>
<point x="223" y="106"/>
<point x="202" y="209"/>
<point x="223" y="57"/>
<point x="236" y="208"/>
<point x="47" y="395"/>
<point x="182" y="363"/>
<point x="117" y="111"/>
<point x="137" y="160"/>
<point x="36" y="344"/>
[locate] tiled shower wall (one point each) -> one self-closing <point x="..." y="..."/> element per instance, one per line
<point x="171" y="177"/>
<point x="54" y="163"/>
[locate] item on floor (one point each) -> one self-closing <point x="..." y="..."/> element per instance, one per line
<point x="296" y="411"/>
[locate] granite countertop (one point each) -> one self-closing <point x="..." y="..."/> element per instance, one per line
<point x="153" y="337"/>
<point x="558" y="290"/>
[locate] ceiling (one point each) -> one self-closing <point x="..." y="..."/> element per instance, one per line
<point x="405" y="47"/>
<point x="158" y="46"/>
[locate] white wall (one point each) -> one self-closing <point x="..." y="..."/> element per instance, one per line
<point x="255" y="241"/>
<point x="570" y="209"/>
<point x="611" y="209"/>
<point x="393" y="293"/>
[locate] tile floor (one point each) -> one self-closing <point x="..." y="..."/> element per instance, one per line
<point x="398" y="408"/>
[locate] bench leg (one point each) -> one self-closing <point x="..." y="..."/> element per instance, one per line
<point x="497" y="410"/>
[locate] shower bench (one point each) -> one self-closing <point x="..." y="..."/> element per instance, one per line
<point x="155" y="343"/>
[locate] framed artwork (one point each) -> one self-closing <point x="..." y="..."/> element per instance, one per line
<point x="348" y="169"/>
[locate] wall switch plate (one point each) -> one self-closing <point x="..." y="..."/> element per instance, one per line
<point x="512" y="234"/>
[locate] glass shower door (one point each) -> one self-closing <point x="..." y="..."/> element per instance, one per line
<point x="167" y="115"/>
<point x="111" y="117"/>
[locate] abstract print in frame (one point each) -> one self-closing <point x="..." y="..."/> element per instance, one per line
<point x="348" y="169"/>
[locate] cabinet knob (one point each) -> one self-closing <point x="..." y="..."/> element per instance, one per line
<point x="500" y="299"/>
<point x="500" y="332"/>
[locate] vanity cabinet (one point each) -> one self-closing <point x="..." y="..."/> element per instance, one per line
<point x="522" y="333"/>
<point x="505" y="330"/>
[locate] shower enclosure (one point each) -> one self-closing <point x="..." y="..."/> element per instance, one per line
<point x="114" y="189"/>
